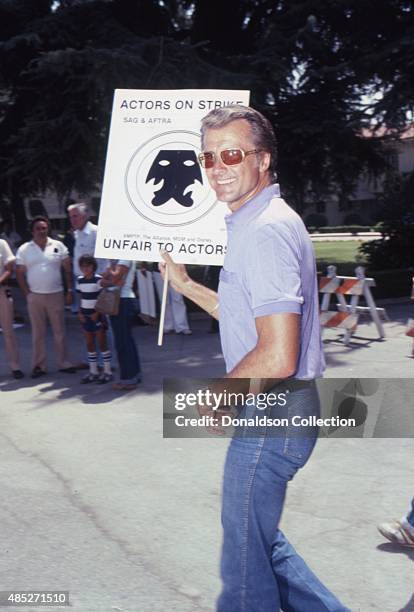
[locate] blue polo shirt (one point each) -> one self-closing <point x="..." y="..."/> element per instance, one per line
<point x="269" y="268"/>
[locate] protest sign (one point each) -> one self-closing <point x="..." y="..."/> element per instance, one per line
<point x="155" y="195"/>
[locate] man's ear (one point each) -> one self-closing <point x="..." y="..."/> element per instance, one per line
<point x="264" y="162"/>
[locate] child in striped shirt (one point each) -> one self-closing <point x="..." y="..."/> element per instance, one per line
<point x="94" y="324"/>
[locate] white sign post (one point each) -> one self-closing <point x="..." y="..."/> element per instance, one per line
<point x="155" y="195"/>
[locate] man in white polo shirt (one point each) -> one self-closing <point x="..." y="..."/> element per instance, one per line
<point x="39" y="264"/>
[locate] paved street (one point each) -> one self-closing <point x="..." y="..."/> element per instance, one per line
<point x="95" y="501"/>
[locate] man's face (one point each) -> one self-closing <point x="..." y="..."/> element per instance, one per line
<point x="77" y="219"/>
<point x="39" y="231"/>
<point x="236" y="184"/>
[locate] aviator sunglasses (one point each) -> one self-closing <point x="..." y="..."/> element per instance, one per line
<point x="229" y="157"/>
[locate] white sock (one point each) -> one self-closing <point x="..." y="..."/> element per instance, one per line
<point x="106" y="356"/>
<point x="93" y="363"/>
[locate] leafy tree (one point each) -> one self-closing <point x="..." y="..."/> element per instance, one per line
<point x="307" y="63"/>
<point x="395" y="248"/>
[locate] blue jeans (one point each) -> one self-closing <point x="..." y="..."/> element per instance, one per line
<point x="261" y="571"/>
<point x="128" y="358"/>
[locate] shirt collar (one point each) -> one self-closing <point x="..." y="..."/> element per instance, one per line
<point x="247" y="211"/>
<point x="48" y="242"/>
<point x="87" y="228"/>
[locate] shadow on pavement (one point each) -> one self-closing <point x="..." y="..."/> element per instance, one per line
<point x="409" y="552"/>
<point x="396" y="549"/>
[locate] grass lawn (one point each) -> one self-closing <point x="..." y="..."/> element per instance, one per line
<point x="341" y="253"/>
<point x="344" y="255"/>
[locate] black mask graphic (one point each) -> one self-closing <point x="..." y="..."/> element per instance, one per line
<point x="178" y="170"/>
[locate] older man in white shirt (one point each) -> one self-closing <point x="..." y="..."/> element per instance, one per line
<point x="85" y="239"/>
<point x="39" y="264"/>
<point x="85" y="236"/>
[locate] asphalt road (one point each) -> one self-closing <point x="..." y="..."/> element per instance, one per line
<point x="95" y="501"/>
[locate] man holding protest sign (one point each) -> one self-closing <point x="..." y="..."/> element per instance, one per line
<point x="267" y="306"/>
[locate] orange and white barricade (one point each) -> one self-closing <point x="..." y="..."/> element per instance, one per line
<point x="346" y="316"/>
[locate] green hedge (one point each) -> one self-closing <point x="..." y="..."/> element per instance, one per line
<point x="392" y="283"/>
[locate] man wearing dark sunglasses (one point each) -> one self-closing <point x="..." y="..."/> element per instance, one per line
<point x="267" y="306"/>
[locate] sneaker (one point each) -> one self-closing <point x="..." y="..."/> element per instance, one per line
<point x="89" y="378"/>
<point x="104" y="378"/>
<point x="397" y="533"/>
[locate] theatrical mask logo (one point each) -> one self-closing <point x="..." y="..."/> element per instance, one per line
<point x="174" y="173"/>
<point x="164" y="182"/>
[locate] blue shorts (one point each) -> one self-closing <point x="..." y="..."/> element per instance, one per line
<point x="95" y="326"/>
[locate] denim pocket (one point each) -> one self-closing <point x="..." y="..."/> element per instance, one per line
<point x="301" y="432"/>
<point x="299" y="447"/>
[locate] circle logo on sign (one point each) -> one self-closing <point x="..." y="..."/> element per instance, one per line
<point x="164" y="181"/>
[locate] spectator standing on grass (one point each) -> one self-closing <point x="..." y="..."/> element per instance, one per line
<point x="94" y="324"/>
<point x="7" y="260"/>
<point x="39" y="274"/>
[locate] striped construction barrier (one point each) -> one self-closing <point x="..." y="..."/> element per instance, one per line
<point x="347" y="314"/>
<point x="328" y="284"/>
<point x="343" y="320"/>
<point x="341" y="285"/>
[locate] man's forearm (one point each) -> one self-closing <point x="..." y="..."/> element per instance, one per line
<point x="68" y="279"/>
<point x="67" y="270"/>
<point x="8" y="271"/>
<point x="5" y="277"/>
<point x="21" y="280"/>
<point x="259" y="363"/>
<point x="204" y="297"/>
<point x="179" y="280"/>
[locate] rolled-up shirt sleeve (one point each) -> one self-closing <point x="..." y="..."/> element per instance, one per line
<point x="273" y="279"/>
